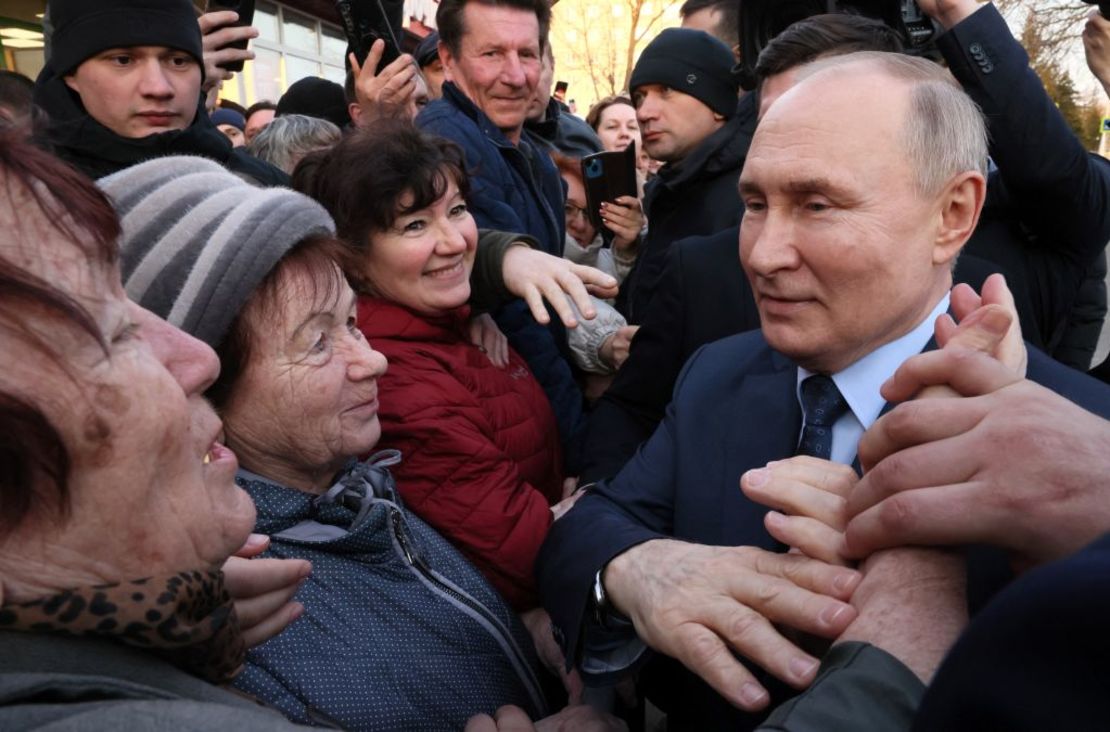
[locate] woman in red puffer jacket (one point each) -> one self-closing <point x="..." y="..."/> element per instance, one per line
<point x="481" y="460"/>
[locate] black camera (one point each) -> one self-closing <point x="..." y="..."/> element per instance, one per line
<point x="762" y="20"/>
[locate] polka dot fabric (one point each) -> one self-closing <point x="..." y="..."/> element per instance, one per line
<point x="822" y="404"/>
<point x="378" y="647"/>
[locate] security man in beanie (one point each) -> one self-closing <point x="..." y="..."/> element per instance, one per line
<point x="686" y="103"/>
<point x="123" y="85"/>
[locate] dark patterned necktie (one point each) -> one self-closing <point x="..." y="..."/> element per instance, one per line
<point x="822" y="405"/>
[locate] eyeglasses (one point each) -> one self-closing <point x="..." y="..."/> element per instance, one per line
<point x="575" y="212"/>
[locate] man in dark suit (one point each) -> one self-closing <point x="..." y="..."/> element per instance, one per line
<point x="853" y="222"/>
<point x="1044" y="250"/>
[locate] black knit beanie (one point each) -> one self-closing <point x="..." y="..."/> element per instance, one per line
<point x="692" y="62"/>
<point x="84" y="28"/>
<point x="316" y="97"/>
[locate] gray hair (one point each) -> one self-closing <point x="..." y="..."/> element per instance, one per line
<point x="290" y="137"/>
<point x="945" y="133"/>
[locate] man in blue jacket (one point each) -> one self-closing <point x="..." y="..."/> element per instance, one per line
<point x="492" y="57"/>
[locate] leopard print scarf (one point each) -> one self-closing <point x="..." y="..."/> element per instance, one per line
<point x="187" y="618"/>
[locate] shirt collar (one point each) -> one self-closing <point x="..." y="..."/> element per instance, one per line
<point x="859" y="383"/>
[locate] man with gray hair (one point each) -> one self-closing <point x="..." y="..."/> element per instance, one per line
<point x="854" y="217"/>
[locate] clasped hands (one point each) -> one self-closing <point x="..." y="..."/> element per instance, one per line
<point x="706" y="605"/>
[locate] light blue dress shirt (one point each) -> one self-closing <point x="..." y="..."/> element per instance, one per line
<point x="859" y="385"/>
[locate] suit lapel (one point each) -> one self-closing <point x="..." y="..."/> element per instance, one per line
<point x="766" y="428"/>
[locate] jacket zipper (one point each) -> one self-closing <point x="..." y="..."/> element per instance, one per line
<point x="486" y="618"/>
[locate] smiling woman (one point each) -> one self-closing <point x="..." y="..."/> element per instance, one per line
<point x="481" y="457"/>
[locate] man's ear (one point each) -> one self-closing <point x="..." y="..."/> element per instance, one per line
<point x="71" y="82"/>
<point x="960" y="204"/>
<point x="355" y="113"/>
<point x="447" y="60"/>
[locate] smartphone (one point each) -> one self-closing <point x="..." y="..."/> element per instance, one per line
<point x="608" y="176"/>
<point x="560" y="90"/>
<point x="365" y="21"/>
<point x="245" y="8"/>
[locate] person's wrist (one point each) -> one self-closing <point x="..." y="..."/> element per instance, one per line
<point x="605" y="614"/>
<point x="605" y="350"/>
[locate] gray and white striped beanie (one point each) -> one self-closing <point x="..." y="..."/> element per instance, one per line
<point x="198" y="240"/>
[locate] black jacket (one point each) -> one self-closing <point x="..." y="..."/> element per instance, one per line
<point x="562" y="132"/>
<point x="74" y="136"/>
<point x="1047" y="215"/>
<point x="695" y="197"/>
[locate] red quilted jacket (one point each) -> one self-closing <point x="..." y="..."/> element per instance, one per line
<point x="480" y="448"/>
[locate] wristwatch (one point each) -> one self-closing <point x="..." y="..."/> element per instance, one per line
<point x="605" y="614"/>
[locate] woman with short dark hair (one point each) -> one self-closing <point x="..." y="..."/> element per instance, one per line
<point x="481" y="451"/>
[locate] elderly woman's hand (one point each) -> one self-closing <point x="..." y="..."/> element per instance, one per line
<point x="489" y="339"/>
<point x="625" y="218"/>
<point x="263" y="589"/>
<point x="537" y="276"/>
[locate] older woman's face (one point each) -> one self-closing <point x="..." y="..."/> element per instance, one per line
<point x="150" y="488"/>
<point x="309" y="393"/>
<point x="617" y="126"/>
<point x="423" y="262"/>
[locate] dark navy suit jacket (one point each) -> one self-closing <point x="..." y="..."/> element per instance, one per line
<point x="1035" y="658"/>
<point x="734" y="408"/>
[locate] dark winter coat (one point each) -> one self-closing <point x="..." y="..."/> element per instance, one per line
<point x="399" y="630"/>
<point x="694" y="197"/>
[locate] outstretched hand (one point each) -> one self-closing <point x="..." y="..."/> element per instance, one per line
<point x="537" y="276"/>
<point x="948" y="12"/>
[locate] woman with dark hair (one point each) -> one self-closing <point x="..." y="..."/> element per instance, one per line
<point x="481" y="451"/>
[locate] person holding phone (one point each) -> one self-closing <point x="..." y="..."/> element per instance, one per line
<point x="123" y="85"/>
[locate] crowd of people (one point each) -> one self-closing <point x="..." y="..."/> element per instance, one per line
<point x="354" y="410"/>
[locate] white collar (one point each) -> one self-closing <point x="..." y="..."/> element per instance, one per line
<point x="859" y="383"/>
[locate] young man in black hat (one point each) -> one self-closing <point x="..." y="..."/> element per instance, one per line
<point x="123" y="85"/>
<point x="686" y="104"/>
